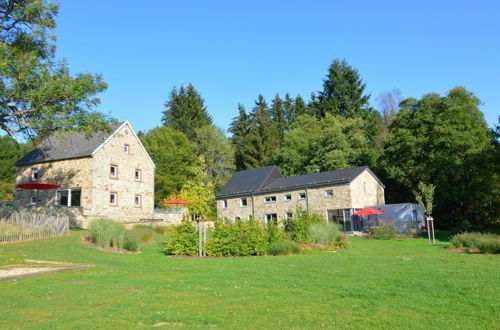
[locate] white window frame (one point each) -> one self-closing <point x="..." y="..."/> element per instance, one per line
<point x="70" y="191"/>
<point x="241" y="202"/>
<point x="287" y="198"/>
<point x="138" y="170"/>
<point x="329" y="193"/>
<point x="115" y="175"/>
<point x="302" y="198"/>
<point x="126" y="148"/>
<point x="269" y="199"/>
<point x="135" y="200"/>
<point x="33" y="200"/>
<point x="224" y="204"/>
<point x="269" y="217"/>
<point x="115" y="203"/>
<point x="35" y="172"/>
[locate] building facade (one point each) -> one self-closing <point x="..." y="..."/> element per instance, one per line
<point x="266" y="195"/>
<point x="107" y="175"/>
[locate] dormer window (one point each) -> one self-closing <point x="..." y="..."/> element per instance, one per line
<point x="34" y="174"/>
<point x="126" y="149"/>
<point x="113" y="171"/>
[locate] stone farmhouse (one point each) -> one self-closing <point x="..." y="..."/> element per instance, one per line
<point x="263" y="193"/>
<point x="109" y="174"/>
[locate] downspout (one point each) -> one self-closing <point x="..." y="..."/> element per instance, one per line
<point x="307" y="199"/>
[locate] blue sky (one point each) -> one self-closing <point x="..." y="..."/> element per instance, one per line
<point x="231" y="51"/>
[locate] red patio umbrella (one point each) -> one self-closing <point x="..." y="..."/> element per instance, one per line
<point x="176" y="202"/>
<point x="38" y="185"/>
<point x="368" y="211"/>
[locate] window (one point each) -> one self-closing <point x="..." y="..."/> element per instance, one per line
<point x="237" y="219"/>
<point x="126" y="149"/>
<point x="224" y="204"/>
<point x="243" y="202"/>
<point x="34" y="174"/>
<point x="33" y="200"/>
<point x="273" y="217"/>
<point x="138" y="201"/>
<point x="113" y="171"/>
<point x="69" y="197"/>
<point x="270" y="199"/>
<point x="289" y="215"/>
<point x="302" y="196"/>
<point x="113" y="198"/>
<point x="329" y="193"/>
<point x="138" y="175"/>
<point x="287" y="198"/>
<point x="364" y="187"/>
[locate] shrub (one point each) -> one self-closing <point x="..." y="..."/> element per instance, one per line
<point x="324" y="233"/>
<point x="241" y="238"/>
<point x="184" y="241"/>
<point x="283" y="247"/>
<point x="485" y="243"/>
<point x="130" y="242"/>
<point x="386" y="230"/>
<point x="106" y="233"/>
<point x="297" y="227"/>
<point x="274" y="233"/>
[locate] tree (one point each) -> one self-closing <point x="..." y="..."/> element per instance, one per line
<point x="293" y="108"/>
<point x="261" y="140"/>
<point x="343" y="93"/>
<point x="11" y="151"/>
<point x="326" y="144"/>
<point x="185" y="111"/>
<point x="389" y="105"/>
<point x="174" y="157"/>
<point x="278" y="117"/>
<point x="239" y="128"/>
<point x="217" y="152"/>
<point x="425" y="197"/>
<point x="443" y="140"/>
<point x="37" y="94"/>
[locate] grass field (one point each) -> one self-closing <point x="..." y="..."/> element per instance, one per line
<point x="379" y="284"/>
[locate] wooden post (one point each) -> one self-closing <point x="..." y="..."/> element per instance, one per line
<point x="430" y="230"/>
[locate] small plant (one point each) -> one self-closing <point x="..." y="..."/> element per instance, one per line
<point x="324" y="233"/>
<point x="107" y="233"/>
<point x="283" y="247"/>
<point x="386" y="230"/>
<point x="484" y="243"/>
<point x="297" y="227"/>
<point x="130" y="242"/>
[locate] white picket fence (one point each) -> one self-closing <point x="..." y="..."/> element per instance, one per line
<point x="17" y="224"/>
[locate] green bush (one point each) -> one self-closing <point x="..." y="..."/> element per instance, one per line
<point x="241" y="238"/>
<point x="110" y="234"/>
<point x="283" y="247"/>
<point x="386" y="230"/>
<point x="485" y="243"/>
<point x="274" y="233"/>
<point x="184" y="241"/>
<point x="324" y="233"/>
<point x="297" y="227"/>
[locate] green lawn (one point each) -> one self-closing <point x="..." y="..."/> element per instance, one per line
<point x="381" y="284"/>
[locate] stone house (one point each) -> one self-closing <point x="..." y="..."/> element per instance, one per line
<point x="109" y="174"/>
<point x="263" y="193"/>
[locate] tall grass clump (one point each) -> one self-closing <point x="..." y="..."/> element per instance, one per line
<point x="107" y="233"/>
<point x="386" y="230"/>
<point x="325" y="233"/>
<point x="283" y="247"/>
<point x="470" y="242"/>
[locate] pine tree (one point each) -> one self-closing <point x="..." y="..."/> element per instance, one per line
<point x="185" y="111"/>
<point x="261" y="140"/>
<point x="278" y="116"/>
<point x="239" y="128"/>
<point x="343" y="93"/>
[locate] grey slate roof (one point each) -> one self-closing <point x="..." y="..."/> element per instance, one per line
<point x="250" y="180"/>
<point x="269" y="179"/>
<point x="66" y="146"/>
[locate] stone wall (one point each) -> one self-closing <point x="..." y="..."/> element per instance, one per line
<point x="366" y="191"/>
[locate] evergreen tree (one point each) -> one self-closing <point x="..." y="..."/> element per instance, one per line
<point x="293" y="108"/>
<point x="261" y="140"/>
<point x="343" y="93"/>
<point x="239" y="128"/>
<point x="185" y="111"/>
<point x="278" y="117"/>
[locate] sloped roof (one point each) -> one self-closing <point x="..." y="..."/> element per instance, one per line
<point x="250" y="180"/>
<point x="269" y="179"/>
<point x="67" y="146"/>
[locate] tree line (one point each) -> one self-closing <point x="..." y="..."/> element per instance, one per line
<point x="439" y="140"/>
